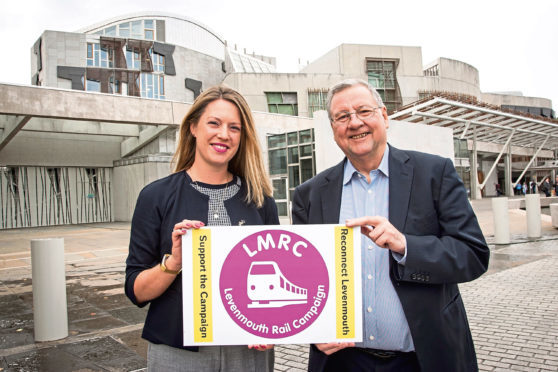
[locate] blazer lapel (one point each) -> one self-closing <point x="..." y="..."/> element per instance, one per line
<point x="400" y="182"/>
<point x="330" y="193"/>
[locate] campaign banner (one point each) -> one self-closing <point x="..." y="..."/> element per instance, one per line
<point x="271" y="285"/>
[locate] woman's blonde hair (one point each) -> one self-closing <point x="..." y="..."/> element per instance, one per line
<point x="246" y="163"/>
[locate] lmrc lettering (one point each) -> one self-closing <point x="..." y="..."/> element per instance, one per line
<point x="274" y="284"/>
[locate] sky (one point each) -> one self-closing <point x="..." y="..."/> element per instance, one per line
<point x="513" y="44"/>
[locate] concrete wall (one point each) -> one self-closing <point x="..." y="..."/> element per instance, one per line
<point x="253" y="87"/>
<point x="70" y="49"/>
<point x="328" y="63"/>
<point x="59" y="49"/>
<point x="129" y="180"/>
<point x="454" y="76"/>
<point x="403" y="135"/>
<point x="349" y="61"/>
<point x="193" y="65"/>
<point x="499" y="99"/>
<point x="56" y="150"/>
<point x="489" y="189"/>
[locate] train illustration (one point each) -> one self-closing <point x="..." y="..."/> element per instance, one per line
<point x="268" y="287"/>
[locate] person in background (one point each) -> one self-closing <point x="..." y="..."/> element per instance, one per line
<point x="218" y="180"/>
<point x="545" y="187"/>
<point x="518" y="188"/>
<point x="533" y="185"/>
<point x="421" y="238"/>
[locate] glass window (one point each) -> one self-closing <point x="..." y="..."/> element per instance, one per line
<point x="286" y="109"/>
<point x="294" y="177"/>
<point x="110" y="31"/>
<point x="133" y="61"/>
<point x="306" y="136"/>
<point x="124" y="29"/>
<point x="279" y="189"/>
<point x="382" y="75"/>
<point x="306" y="171"/>
<point x="149" y="34"/>
<point x="158" y="61"/>
<point x="282" y="209"/>
<point x="92" y="86"/>
<point x="89" y="54"/>
<point x="274" y="98"/>
<point x="114" y="85"/>
<point x="137" y="30"/>
<point x="282" y="102"/>
<point x="148" y="23"/>
<point x="293" y="154"/>
<point x="316" y="101"/>
<point x="152" y="86"/>
<point x="306" y="150"/>
<point x="278" y="161"/>
<point x="292" y="138"/>
<point x="276" y="141"/>
<point x="99" y="57"/>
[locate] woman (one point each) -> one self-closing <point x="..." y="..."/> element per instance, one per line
<point x="219" y="179"/>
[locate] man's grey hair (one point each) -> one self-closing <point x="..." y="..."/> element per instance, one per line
<point x="348" y="83"/>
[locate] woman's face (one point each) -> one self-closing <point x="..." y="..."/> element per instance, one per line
<point x="217" y="134"/>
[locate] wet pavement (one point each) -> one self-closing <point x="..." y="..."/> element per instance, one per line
<point x="513" y="309"/>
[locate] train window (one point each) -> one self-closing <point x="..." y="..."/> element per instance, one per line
<point x="281" y="282"/>
<point x="262" y="269"/>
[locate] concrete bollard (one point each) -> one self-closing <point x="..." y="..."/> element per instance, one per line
<point x="554" y="214"/>
<point x="533" y="208"/>
<point x="50" y="308"/>
<point x="501" y="220"/>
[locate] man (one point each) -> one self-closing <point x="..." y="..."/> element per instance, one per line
<point x="545" y="187"/>
<point x="421" y="238"/>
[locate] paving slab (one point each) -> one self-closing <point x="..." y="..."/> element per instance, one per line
<point x="512" y="309"/>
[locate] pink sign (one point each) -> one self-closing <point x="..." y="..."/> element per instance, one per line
<point x="274" y="283"/>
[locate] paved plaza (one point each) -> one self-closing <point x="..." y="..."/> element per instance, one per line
<point x="512" y="309"/>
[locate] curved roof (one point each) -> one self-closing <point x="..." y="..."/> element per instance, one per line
<point x="130" y="16"/>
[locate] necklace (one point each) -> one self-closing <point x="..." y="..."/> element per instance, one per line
<point x="228" y="178"/>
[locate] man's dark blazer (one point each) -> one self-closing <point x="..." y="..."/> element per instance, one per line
<point x="445" y="246"/>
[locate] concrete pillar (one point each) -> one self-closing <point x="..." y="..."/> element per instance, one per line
<point x="554" y="214"/>
<point x="533" y="208"/>
<point x="475" y="191"/>
<point x="508" y="173"/>
<point x="50" y="308"/>
<point x="501" y="220"/>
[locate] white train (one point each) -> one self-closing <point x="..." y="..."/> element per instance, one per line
<point x="268" y="287"/>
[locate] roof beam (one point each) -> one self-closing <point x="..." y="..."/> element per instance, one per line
<point x="81" y="127"/>
<point x="11" y="128"/>
<point x="530" y="162"/>
<point x="480" y="123"/>
<point x="131" y="145"/>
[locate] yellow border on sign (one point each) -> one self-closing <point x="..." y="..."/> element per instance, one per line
<point x="201" y="268"/>
<point x="344" y="282"/>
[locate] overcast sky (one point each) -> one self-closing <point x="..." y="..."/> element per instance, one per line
<point x="513" y="44"/>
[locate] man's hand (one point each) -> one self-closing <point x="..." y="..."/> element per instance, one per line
<point x="381" y="231"/>
<point x="333" y="347"/>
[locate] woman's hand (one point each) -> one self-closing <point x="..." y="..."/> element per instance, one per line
<point x="174" y="262"/>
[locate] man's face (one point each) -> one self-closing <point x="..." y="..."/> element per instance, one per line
<point x="359" y="139"/>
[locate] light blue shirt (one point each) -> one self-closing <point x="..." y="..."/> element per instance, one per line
<point x="384" y="324"/>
